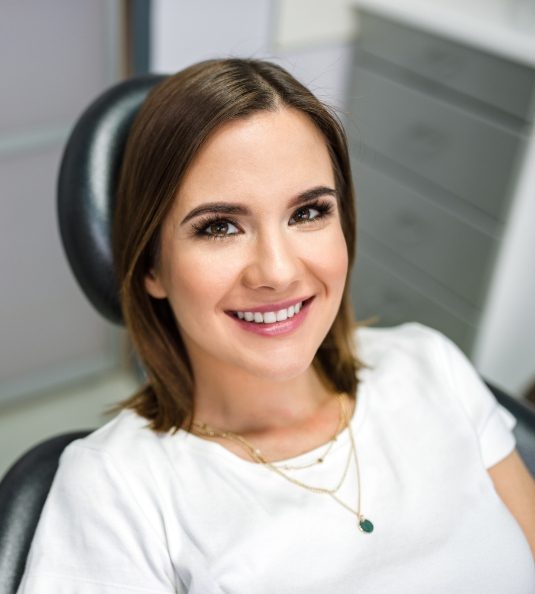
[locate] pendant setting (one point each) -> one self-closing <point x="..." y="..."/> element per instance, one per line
<point x="365" y="525"/>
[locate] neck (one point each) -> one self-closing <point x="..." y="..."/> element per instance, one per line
<point x="233" y="400"/>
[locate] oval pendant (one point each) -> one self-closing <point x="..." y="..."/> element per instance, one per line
<point x="365" y="525"/>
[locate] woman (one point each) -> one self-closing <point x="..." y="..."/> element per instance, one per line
<point x="253" y="460"/>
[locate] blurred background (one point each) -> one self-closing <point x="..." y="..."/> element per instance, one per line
<point x="438" y="102"/>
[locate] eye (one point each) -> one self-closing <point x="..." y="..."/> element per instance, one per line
<point x="311" y="213"/>
<point x="216" y="228"/>
<point x="305" y="213"/>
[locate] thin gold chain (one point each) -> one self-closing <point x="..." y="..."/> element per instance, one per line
<point x="258" y="457"/>
<point x="364" y="524"/>
<point x="207" y="431"/>
<point x="329" y="447"/>
<point x="313" y="488"/>
<point x="353" y="452"/>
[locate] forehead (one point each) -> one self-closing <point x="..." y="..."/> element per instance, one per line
<point x="268" y="155"/>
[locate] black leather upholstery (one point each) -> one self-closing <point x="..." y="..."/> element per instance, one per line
<point x="23" y="491"/>
<point x="86" y="189"/>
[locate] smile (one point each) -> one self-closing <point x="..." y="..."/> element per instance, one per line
<point x="276" y="321"/>
<point x="270" y="317"/>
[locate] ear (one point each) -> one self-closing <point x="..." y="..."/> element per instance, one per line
<point x="154" y="286"/>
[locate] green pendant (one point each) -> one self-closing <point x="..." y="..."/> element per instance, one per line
<point x="365" y="525"/>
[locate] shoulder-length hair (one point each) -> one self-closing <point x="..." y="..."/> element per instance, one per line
<point x="175" y="120"/>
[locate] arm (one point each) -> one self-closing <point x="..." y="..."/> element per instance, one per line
<point x="512" y="480"/>
<point x="516" y="488"/>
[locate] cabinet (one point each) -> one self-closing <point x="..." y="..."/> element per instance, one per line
<point x="437" y="132"/>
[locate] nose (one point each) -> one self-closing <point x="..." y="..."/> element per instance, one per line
<point x="273" y="263"/>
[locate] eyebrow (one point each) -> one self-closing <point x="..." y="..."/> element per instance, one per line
<point x="231" y="208"/>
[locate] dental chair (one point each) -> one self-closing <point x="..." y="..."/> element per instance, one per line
<point x="86" y="187"/>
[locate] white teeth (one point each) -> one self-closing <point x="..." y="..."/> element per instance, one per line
<point x="270" y="317"/>
<point x="282" y="315"/>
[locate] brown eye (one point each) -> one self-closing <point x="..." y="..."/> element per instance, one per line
<point x="220" y="229"/>
<point x="304" y="214"/>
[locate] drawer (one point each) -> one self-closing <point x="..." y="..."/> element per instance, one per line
<point x="494" y="80"/>
<point x="377" y="291"/>
<point x="467" y="155"/>
<point x="430" y="237"/>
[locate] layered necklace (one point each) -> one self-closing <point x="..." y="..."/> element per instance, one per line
<point x="281" y="470"/>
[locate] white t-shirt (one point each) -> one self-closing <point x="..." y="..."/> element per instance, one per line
<point x="135" y="511"/>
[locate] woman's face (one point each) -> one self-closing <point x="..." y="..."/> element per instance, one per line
<point x="253" y="259"/>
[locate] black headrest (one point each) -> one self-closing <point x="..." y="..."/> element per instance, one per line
<point x="86" y="189"/>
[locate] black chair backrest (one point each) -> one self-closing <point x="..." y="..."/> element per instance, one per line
<point x="23" y="491"/>
<point x="86" y="189"/>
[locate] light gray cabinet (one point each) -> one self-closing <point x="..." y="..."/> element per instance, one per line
<point x="437" y="132"/>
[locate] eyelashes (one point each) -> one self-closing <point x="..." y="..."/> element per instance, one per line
<point x="218" y="227"/>
<point x="215" y="227"/>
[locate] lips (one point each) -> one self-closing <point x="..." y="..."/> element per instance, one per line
<point x="276" y="328"/>
<point x="271" y="314"/>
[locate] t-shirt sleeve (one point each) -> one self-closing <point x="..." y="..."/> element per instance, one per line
<point x="492" y="422"/>
<point x="93" y="537"/>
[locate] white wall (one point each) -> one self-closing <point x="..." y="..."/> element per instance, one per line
<point x="295" y="33"/>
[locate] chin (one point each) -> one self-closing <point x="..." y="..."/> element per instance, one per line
<point x="278" y="369"/>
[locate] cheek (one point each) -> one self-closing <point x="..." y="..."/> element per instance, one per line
<point x="200" y="277"/>
<point x="328" y="256"/>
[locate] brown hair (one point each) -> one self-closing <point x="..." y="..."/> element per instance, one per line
<point x="171" y="126"/>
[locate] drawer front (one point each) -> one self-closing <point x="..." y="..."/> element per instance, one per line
<point x="430" y="237"/>
<point x="467" y="155"/>
<point x="496" y="81"/>
<point x="377" y="292"/>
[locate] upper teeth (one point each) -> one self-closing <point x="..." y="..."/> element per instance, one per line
<point x="269" y="317"/>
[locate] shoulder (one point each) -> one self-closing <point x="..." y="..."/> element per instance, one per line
<point x="425" y="369"/>
<point x="118" y="474"/>
<point x="126" y="437"/>
<point x="123" y="457"/>
<point x="413" y="353"/>
<point x="102" y="515"/>
<point x="409" y="345"/>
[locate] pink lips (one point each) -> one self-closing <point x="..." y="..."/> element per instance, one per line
<point x="276" y="328"/>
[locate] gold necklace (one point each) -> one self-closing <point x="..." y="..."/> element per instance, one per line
<point x="364" y="524"/>
<point x="259" y="458"/>
<point x="329" y="447"/>
<point x="256" y="454"/>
